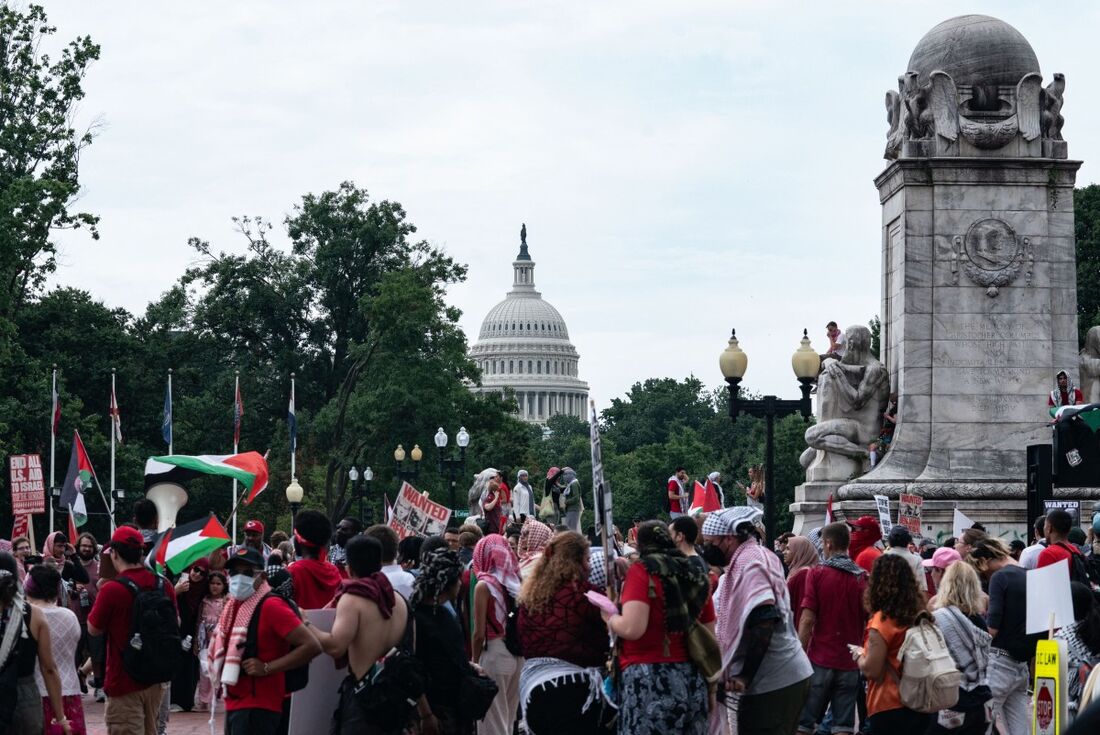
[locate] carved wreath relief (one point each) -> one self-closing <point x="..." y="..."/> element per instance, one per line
<point x="992" y="255"/>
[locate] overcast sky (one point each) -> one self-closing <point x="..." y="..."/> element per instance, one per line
<point x="682" y="167"/>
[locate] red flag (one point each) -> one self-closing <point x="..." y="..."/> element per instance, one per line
<point x="705" y="498"/>
<point x="72" y="528"/>
<point x="389" y="508"/>
<point x="116" y="417"/>
<point x="238" y="413"/>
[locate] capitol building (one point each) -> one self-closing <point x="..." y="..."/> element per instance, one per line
<point x="524" y="346"/>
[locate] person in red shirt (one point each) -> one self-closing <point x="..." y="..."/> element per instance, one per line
<point x="254" y="696"/>
<point x="677" y="493"/>
<point x="832" y="619"/>
<point x="1057" y="528"/>
<point x="865" y="533"/>
<point x="663" y="593"/>
<point x="132" y="707"/>
<point x="315" y="579"/>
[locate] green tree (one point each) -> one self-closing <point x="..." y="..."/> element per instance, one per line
<point x="1086" y="209"/>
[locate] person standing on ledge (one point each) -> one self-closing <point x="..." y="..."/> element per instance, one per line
<point x="677" y="493"/>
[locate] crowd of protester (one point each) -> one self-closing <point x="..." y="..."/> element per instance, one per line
<point x="505" y="625"/>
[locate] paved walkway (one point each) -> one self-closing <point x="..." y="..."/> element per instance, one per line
<point x="180" y="723"/>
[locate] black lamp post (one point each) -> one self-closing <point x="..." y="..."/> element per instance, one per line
<point x="454" y="466"/>
<point x="358" y="490"/>
<point x="806" y="364"/>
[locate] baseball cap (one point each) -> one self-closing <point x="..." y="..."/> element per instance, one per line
<point x="247" y="555"/>
<point x="942" y="558"/>
<point x="127" y="536"/>
<point x="254" y="525"/>
<point x="866" y="522"/>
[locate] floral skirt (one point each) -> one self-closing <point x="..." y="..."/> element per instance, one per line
<point x="660" y="699"/>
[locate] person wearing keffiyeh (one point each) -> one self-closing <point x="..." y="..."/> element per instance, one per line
<point x="496" y="570"/>
<point x="533" y="538"/>
<point x="761" y="654"/>
<point x="664" y="593"/>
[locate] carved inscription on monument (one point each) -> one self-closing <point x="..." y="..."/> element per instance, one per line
<point x="992" y="255"/>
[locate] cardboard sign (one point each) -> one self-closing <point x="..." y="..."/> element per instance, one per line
<point x="415" y="515"/>
<point x="1050" y="708"/>
<point x="28" y="490"/>
<point x="1073" y="507"/>
<point x="909" y="512"/>
<point x="1048" y="592"/>
<point x="960" y="523"/>
<point x="318" y="700"/>
<point x="883" y="504"/>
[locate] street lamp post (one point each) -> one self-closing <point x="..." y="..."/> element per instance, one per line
<point x="403" y="473"/>
<point x="806" y="365"/>
<point x="455" y="466"/>
<point x="294" y="493"/>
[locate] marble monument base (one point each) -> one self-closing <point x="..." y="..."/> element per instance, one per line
<point x="811" y="499"/>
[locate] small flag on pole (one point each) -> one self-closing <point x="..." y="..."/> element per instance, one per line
<point x="238" y="413"/>
<point x="292" y="421"/>
<point x="55" y="414"/>
<point x="116" y="417"/>
<point x="166" y="423"/>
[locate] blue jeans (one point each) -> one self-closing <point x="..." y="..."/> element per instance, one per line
<point x="835" y="687"/>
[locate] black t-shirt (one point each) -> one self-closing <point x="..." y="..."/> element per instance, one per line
<point x="1008" y="612"/>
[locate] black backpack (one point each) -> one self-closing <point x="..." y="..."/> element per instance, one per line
<point x="294" y="679"/>
<point x="388" y="693"/>
<point x="1079" y="570"/>
<point x="511" y="626"/>
<point x="152" y="653"/>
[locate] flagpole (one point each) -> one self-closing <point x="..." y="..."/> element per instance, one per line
<point x="53" y="444"/>
<point x="294" y="437"/>
<point x="171" y="434"/>
<point x="236" y="424"/>
<point x="111" y="411"/>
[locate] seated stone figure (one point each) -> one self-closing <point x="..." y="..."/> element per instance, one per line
<point x="1089" y="366"/>
<point x="852" y="394"/>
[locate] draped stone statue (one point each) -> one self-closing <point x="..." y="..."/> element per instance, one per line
<point x="1089" y="366"/>
<point x="852" y="393"/>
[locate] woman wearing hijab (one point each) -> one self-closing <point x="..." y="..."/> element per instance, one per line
<point x="800" y="557"/>
<point x="191" y="590"/>
<point x="714" y="477"/>
<point x="564" y="643"/>
<point x="496" y="571"/>
<point x="664" y="593"/>
<point x="439" y="641"/>
<point x="761" y="655"/>
<point x="24" y="639"/>
<point x="533" y="538"/>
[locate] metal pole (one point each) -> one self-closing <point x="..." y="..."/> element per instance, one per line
<point x="236" y="389"/>
<point x="769" y="478"/>
<point x="294" y="444"/>
<point x="171" y="434"/>
<point x="53" y="444"/>
<point x="113" y="419"/>
<point x="359" y="492"/>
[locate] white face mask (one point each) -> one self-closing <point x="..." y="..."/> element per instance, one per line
<point x="241" y="587"/>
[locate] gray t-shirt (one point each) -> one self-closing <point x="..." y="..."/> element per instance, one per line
<point x="784" y="664"/>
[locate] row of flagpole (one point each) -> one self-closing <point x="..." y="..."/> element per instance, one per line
<point x="166" y="433"/>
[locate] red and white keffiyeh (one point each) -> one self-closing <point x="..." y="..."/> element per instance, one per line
<point x="224" y="655"/>
<point x="496" y="565"/>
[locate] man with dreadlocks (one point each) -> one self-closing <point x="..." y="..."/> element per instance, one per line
<point x="661" y="691"/>
<point x="439" y="643"/>
<point x="761" y="654"/>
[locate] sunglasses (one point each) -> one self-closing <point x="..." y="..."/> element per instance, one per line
<point x="199" y="571"/>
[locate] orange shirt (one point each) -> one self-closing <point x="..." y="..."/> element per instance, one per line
<point x="883" y="695"/>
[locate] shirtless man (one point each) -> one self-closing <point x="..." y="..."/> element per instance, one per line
<point x="361" y="631"/>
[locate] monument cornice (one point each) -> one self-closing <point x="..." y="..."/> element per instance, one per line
<point x="955" y="170"/>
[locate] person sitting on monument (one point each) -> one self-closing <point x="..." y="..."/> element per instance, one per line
<point x="838" y="344"/>
<point x="1066" y="394"/>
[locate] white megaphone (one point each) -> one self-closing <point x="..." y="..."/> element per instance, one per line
<point x="169" y="498"/>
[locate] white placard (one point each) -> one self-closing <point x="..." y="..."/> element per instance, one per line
<point x="1048" y="592"/>
<point x="883" y="504"/>
<point x="960" y="523"/>
<point x="311" y="708"/>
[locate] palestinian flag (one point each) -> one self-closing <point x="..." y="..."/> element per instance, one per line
<point x="78" y="479"/>
<point x="181" y="546"/>
<point x="705" y="499"/>
<point x="248" y="468"/>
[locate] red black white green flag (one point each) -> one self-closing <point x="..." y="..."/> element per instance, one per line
<point x="248" y="468"/>
<point x="181" y="546"/>
<point x="78" y="479"/>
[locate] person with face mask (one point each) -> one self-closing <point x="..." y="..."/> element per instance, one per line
<point x="761" y="654"/>
<point x="255" y="687"/>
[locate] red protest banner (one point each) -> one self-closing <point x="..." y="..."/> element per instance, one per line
<point x="28" y="490"/>
<point x="21" y="526"/>
<point x="909" y="512"/>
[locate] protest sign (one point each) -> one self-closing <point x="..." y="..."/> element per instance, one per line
<point x="883" y="504"/>
<point x="1073" y="507"/>
<point x="28" y="490"/>
<point x="318" y="700"/>
<point x="960" y="523"/>
<point x="1048" y="594"/>
<point x="415" y="515"/>
<point x="909" y="512"/>
<point x="1050" y="710"/>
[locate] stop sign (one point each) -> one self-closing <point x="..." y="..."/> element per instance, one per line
<point x="1044" y="707"/>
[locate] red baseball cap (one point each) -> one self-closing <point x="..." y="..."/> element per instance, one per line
<point x="127" y="536"/>
<point x="254" y="525"/>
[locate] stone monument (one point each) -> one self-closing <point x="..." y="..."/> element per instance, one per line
<point x="979" y="306"/>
